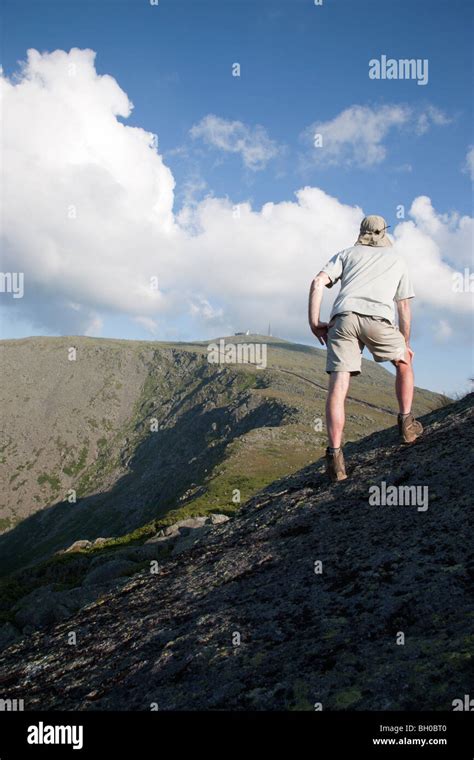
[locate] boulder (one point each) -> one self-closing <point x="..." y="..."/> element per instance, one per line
<point x="99" y="541"/>
<point x="78" y="546"/>
<point x="160" y="538"/>
<point x="217" y="519"/>
<point x="187" y="541"/>
<point x="184" y="527"/>
<point x="191" y="527"/>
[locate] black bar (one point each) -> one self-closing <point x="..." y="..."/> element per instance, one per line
<point x="223" y="734"/>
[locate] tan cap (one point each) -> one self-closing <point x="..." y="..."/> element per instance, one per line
<point x="372" y="232"/>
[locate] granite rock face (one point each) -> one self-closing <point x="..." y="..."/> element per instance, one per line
<point x="313" y="593"/>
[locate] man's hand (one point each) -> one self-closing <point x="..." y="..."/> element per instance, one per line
<point x="404" y="322"/>
<point x="320" y="329"/>
<point x="321" y="332"/>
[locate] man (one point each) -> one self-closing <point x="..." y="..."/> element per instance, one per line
<point x="372" y="278"/>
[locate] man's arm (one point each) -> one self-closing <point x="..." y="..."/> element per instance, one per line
<point x="404" y="321"/>
<point x="320" y="329"/>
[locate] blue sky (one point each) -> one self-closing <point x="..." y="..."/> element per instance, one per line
<point x="301" y="64"/>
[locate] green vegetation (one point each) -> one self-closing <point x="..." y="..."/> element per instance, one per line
<point x="74" y="468"/>
<point x="52" y="480"/>
<point x="138" y="536"/>
<point x="245" y="381"/>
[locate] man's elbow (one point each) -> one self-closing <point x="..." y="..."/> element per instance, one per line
<point x="404" y="306"/>
<point x="321" y="280"/>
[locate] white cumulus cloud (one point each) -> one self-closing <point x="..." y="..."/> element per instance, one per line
<point x="253" y="143"/>
<point x="356" y="136"/>
<point x="431" y="116"/>
<point x="88" y="217"/>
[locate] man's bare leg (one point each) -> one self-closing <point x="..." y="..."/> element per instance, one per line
<point x="404" y="385"/>
<point x="409" y="428"/>
<point x="335" y="414"/>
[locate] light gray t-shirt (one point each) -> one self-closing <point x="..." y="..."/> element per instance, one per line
<point x="372" y="278"/>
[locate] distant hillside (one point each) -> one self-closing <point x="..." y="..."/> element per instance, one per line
<point x="237" y="615"/>
<point x="143" y="430"/>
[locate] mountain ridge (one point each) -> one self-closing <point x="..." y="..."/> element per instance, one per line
<point x="85" y="425"/>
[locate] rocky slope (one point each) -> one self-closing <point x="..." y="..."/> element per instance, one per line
<point x="141" y="430"/>
<point x="247" y="618"/>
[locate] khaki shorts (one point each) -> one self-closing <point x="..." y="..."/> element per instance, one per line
<point x="349" y="333"/>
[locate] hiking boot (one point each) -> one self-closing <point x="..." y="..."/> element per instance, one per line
<point x="335" y="465"/>
<point x="409" y="428"/>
